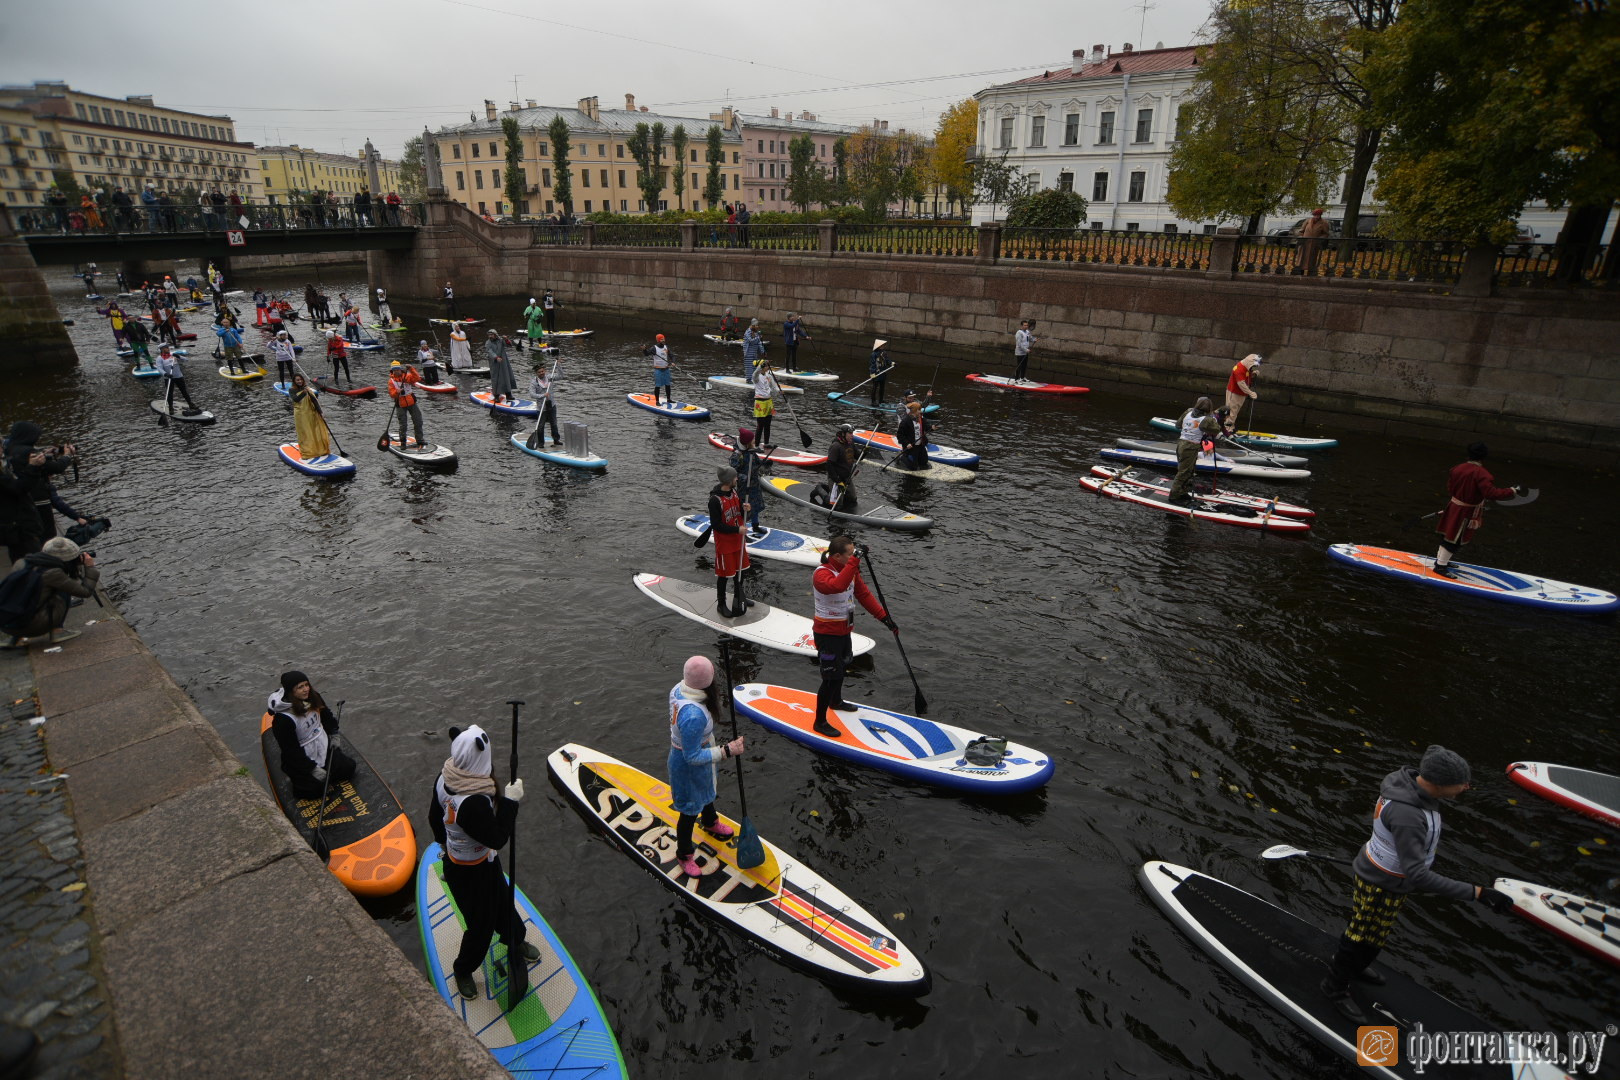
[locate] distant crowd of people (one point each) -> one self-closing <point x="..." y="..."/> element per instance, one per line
<point x="155" y="209"/>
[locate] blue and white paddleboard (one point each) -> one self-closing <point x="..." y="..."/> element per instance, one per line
<point x="1217" y="463"/>
<point x="945" y="455"/>
<point x="557" y="1029"/>
<point x="778" y="544"/>
<point x="1260" y="440"/>
<point x="680" y="410"/>
<point x="126" y="353"/>
<point x="282" y="388"/>
<point x="807" y="376"/>
<point x="552" y="452"/>
<point x="1481" y="580"/>
<point x="511" y="406"/>
<point x="145" y="372"/>
<point x="326" y="466"/>
<point x="838" y="396"/>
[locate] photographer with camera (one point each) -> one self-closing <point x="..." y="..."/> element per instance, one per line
<point x="63" y="572"/>
<point x="837" y="585"/>
<point x="33" y="466"/>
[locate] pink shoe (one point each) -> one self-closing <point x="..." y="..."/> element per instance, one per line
<point x="720" y="830"/>
<point x="689" y="866"/>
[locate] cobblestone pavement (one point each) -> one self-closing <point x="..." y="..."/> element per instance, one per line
<point x="49" y="971"/>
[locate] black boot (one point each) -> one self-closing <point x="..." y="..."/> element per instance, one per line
<point x="720" y="597"/>
<point x="821" y="726"/>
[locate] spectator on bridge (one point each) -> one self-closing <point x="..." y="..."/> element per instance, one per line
<point x="743" y="218"/>
<point x="394" y="203"/>
<point x="149" y="203"/>
<point x="91" y="212"/>
<point x="59" y="206"/>
<point x="1312" y="236"/>
<point x="166" y="211"/>
<point x="123" y="209"/>
<point x="362" y="208"/>
<point x="238" y="207"/>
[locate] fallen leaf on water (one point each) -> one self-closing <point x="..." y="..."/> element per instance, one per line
<point x="1195" y="774"/>
<point x="815" y="813"/>
<point x="1583" y="851"/>
<point x="899" y="916"/>
<point x="77" y="886"/>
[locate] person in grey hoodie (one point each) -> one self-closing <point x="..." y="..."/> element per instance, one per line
<point x="1396" y="862"/>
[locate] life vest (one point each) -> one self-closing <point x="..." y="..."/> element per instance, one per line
<point x="678" y="701"/>
<point x="660" y="355"/>
<point x="1381" y="847"/>
<point x="400" y="390"/>
<point x="1192" y="426"/>
<point x="311" y="735"/>
<point x="835" y="607"/>
<point x="458" y="846"/>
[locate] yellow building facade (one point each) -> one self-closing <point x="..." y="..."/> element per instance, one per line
<point x="291" y="173"/>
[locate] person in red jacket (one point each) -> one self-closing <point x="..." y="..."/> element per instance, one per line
<point x="727" y="514"/>
<point x="1238" y="388"/>
<point x="838" y="584"/>
<point x="1470" y="485"/>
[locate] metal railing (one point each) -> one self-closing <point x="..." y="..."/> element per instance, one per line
<point x="1362" y="259"/>
<point x="957" y="241"/>
<point x="635" y="234"/>
<point x="762" y="237"/>
<point x="1544" y="266"/>
<point x="141" y="218"/>
<point x="556" y="234"/>
<point x="1162" y="251"/>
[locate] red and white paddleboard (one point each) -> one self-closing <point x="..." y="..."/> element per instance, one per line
<point x="1002" y="382"/>
<point x="1268" y="520"/>
<point x="1594" y="794"/>
<point x="436" y="388"/>
<point x="353" y="391"/>
<point x="781" y="455"/>
<point x="1130" y="478"/>
<point x="1593" y="926"/>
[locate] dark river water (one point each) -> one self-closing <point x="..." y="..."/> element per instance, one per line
<point x="1206" y="692"/>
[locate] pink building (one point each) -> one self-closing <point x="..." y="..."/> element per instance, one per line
<point x="766" y="162"/>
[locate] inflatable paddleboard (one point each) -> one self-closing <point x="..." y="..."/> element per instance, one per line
<point x="838" y="396"/>
<point x="907" y="746"/>
<point x="1282" y="958"/>
<point x="762" y="624"/>
<point x="282" y="388"/>
<point x="737" y="382"/>
<point x="552" y="452"/>
<point x="1593" y="926"/>
<point x="511" y="406"/>
<point x="1220" y="464"/>
<point x="126" y="353"/>
<point x="1228" y="500"/>
<point x="463" y="322"/>
<point x="778" y="544"/>
<point x="1200" y="509"/>
<point x="569" y="333"/>
<point x="1594" y="794"/>
<point x="326" y="466"/>
<point x="435" y="388"/>
<point x="1261" y="440"/>
<point x="388" y="329"/>
<point x="373" y="849"/>
<point x="867" y="511"/>
<point x="354" y="391"/>
<point x="241" y="376"/>
<point x="475" y="372"/>
<point x="953" y="473"/>
<point x="1003" y="382"/>
<point x="806" y="376"/>
<point x="945" y="455"/>
<point x="362" y="346"/>
<point x="1239" y="457"/>
<point x="781" y="905"/>
<point x="1481" y="580"/>
<point x="161" y="407"/>
<point x="557" y="1029"/>
<point x="145" y="372"/>
<point x="737" y="341"/>
<point x="426" y="454"/>
<point x="781" y="455"/>
<point x="680" y="410"/>
<point x="98" y="296"/>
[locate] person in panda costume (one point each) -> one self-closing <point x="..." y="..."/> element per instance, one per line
<point x="304" y="728"/>
<point x="472" y="822"/>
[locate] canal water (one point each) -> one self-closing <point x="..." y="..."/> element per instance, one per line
<point x="1206" y="692"/>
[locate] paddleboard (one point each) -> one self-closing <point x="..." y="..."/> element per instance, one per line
<point x="781" y="905"/>
<point x="1593" y="926"/>
<point x="1282" y="958"/>
<point x="476" y="372"/>
<point x="1240" y="457"/>
<point x="569" y="333"/>
<point x="1481" y="580"/>
<point x="806" y="376"/>
<point x="161" y="407"/>
<point x="1221" y="464"/>
<point x="1227" y="499"/>
<point x="463" y="322"/>
<point x="718" y="340"/>
<point x="1595" y="794"/>
<point x="435" y="388"/>
<point x="1201" y="509"/>
<point x="952" y="473"/>
<point x="762" y="624"/>
<point x="907" y="746"/>
<point x="1003" y="382"/>
<point x="945" y="455"/>
<point x="326" y="466"/>
<point x="737" y="382"/>
<point x="388" y="329"/>
<point x="552" y="452"/>
<point x="282" y="388"/>
<point x="145" y="372"/>
<point x="867" y="512"/>
<point x="1263" y="440"/>
<point x="428" y="454"/>
<point x="838" y="396"/>
<point x="781" y="455"/>
<point x="680" y="410"/>
<point x="373" y="849"/>
<point x="778" y="544"/>
<point x="361" y="346"/>
<point x="125" y="353"/>
<point x="98" y="296"/>
<point x="236" y="376"/>
<point x="353" y="391"/>
<point x="558" y="1028"/>
<point x="511" y="406"/>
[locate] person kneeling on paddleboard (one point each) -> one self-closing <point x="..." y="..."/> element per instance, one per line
<point x="841" y="462"/>
<point x="1469" y="485"/>
<point x="730" y="549"/>
<point x="692" y="754"/>
<point x="912" y="435"/>
<point x="430" y="363"/>
<point x="1395" y="863"/>
<point x="838" y="584"/>
<point x="303" y="728"/>
<point x="471" y="823"/>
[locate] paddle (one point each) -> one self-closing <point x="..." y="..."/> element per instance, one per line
<point x="837" y="394"/>
<point x="750" y="852"/>
<point x="1530" y="495"/>
<point x="1275" y="461"/>
<point x="921" y="702"/>
<point x="323" y="852"/>
<point x="1286" y="851"/>
<point x="382" y="440"/>
<point x="312" y="388"/>
<point x="517" y="966"/>
<point x="804" y="436"/>
<point x="537" y="438"/>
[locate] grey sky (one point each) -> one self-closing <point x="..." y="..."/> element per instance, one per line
<point x="328" y="75"/>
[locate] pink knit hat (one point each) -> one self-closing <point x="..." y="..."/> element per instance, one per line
<point x="698" y="673"/>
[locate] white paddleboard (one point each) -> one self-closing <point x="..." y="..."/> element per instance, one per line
<point x="1593" y="926"/>
<point x="762" y="624"/>
<point x="778" y="544"/>
<point x="737" y="382"/>
<point x="161" y="407"/>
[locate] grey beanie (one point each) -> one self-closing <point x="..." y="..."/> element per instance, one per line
<point x="727" y="474"/>
<point x="1444" y="767"/>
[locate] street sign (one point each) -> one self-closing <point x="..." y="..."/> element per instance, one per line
<point x="236" y="238"/>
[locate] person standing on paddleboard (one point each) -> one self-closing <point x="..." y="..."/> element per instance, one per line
<point x="304" y="728"/>
<point x="792" y="334"/>
<point x="175" y="377"/>
<point x="1469" y="485"/>
<point x="385" y="314"/>
<point x="401" y="378"/>
<point x="663" y="376"/>
<point x="750" y="467"/>
<point x="351" y="321"/>
<point x="726" y="518"/>
<point x="692" y="757"/>
<point x="449" y="295"/>
<point x="540" y="387"/>
<point x="460" y="351"/>
<point x="753" y="348"/>
<point x="1238" y="389"/>
<point x="230" y="342"/>
<point x="1397" y="862"/>
<point x="841" y="461"/>
<point x="261" y="307"/>
<point x="912" y="435"/>
<point x="502" y="385"/>
<point x="139" y="338"/>
<point x="1198" y="427"/>
<point x="286" y="354"/>
<point x="765" y="390"/>
<point x="536" y="315"/>
<point x="314" y="437"/>
<point x="548" y="304"/>
<point x="472" y="823"/>
<point x="728" y="326"/>
<point x="1023" y="341"/>
<point x="878" y="368"/>
<point x="337" y="351"/>
<point x="838" y="584"/>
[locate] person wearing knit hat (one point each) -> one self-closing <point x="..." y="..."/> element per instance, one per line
<point x="64" y="572"/>
<point x="692" y="757"/>
<point x="726" y="519"/>
<point x="878" y="367"/>
<point x="750" y="465"/>
<point x="1238" y="389"/>
<point x="1470" y="486"/>
<point x="472" y="823"/>
<point x="306" y="734"/>
<point x="1396" y="862"/>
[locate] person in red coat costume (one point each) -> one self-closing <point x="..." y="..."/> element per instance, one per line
<point x="726" y="518"/>
<point x="838" y="585"/>
<point x="1470" y="485"/>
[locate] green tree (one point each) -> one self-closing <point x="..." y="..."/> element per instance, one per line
<point x="997" y="181"/>
<point x="714" y="189"/>
<point x="412" y="172"/>
<point x="950" y="165"/>
<point x="515" y="179"/>
<point x="1047" y="209"/>
<point x="563" y="189"/>
<point x="874" y="171"/>
<point x="647" y="147"/>
<point x="677" y="145"/>
<point x="68" y="185"/>
<point x="803" y="173"/>
<point x="838" y="182"/>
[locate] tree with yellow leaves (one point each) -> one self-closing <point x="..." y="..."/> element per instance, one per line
<point x="954" y="141"/>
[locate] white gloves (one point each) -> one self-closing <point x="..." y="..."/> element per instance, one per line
<point x="514" y="790"/>
<point x="319" y="774"/>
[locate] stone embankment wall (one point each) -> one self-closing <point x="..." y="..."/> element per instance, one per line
<point x="1537" y="374"/>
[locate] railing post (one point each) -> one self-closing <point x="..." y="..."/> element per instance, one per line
<point x="989" y="241"/>
<point x="1478" y="275"/>
<point x="689" y="235"/>
<point x="1223" y="252"/>
<point x="828" y="235"/>
<point x="587" y="233"/>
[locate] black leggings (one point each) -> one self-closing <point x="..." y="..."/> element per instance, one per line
<point x="485" y="902"/>
<point x="683" y="829"/>
<point x="341" y="769"/>
<point x="180" y="385"/>
<point x="341" y="361"/>
<point x="832" y="654"/>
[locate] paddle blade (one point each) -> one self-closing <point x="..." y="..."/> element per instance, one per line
<point x="703" y="537"/>
<point x="1282" y="851"/>
<point x="920" y="704"/>
<point x="382" y="443"/>
<point x="804" y="437"/>
<point x="750" y="852"/>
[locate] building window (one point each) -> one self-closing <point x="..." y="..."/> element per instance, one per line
<point x="762" y="146"/>
<point x="1133" y="226"/>
<point x="1065" y="181"/>
<point x="478" y="179"/>
<point x="587" y="206"/>
<point x="494" y="178"/>
<point x="461" y="180"/>
<point x="549" y="207"/>
<point x="1034" y="180"/>
<point x="1071" y="129"/>
<point x="1175" y="130"/>
<point x="1138" y="183"/>
<point x="736" y="181"/>
<point x="545" y="179"/>
<point x="455" y="151"/>
<point x="80" y="110"/>
<point x="1105" y="129"/>
<point x="585" y="177"/>
<point x="477" y="150"/>
<point x="604" y="178"/>
<point x="1099" y="187"/>
<point x="1144" y="125"/>
<point x="736" y="159"/>
<point x="823" y="149"/>
<point x="601" y="149"/>
<point x="618" y="149"/>
<point x="694" y="184"/>
<point x="624" y="204"/>
<point x="1037" y="131"/>
<point x="621" y="177"/>
<point x="1006" y="133"/>
<point x="543" y="150"/>
<point x="493" y="152"/>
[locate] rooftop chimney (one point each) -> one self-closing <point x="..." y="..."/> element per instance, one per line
<point x="489" y="109"/>
<point x="644" y="108"/>
<point x="590" y="107"/>
<point x="514" y="106"/>
<point x="531" y="103"/>
<point x="885" y="125"/>
<point x="773" y="113"/>
<point x="807" y="115"/>
<point x="629" y="103"/>
<point x="1098" y="51"/>
<point x="1126" y="47"/>
<point x="1079" y="59"/>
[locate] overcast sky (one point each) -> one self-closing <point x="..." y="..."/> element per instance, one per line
<point x="328" y="75"/>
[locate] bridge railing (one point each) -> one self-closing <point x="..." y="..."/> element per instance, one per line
<point x="636" y="234"/>
<point x="143" y="219"/>
<point x="1156" y="250"/>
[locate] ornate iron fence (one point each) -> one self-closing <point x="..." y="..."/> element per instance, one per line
<point x="1364" y="258"/>
<point x="636" y="234"/>
<point x="958" y="241"/>
<point x="1164" y="251"/>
